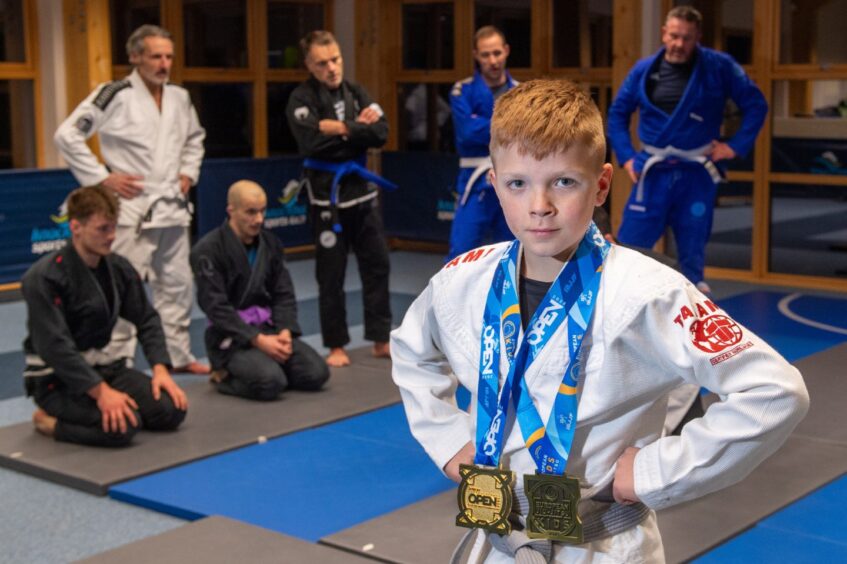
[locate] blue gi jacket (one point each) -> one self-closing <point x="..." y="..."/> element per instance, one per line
<point x="472" y="104"/>
<point x="697" y="119"/>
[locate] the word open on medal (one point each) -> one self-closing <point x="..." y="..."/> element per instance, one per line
<point x="485" y="499"/>
<point x="553" y="502"/>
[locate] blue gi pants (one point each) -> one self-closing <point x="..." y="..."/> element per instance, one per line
<point x="679" y="194"/>
<point x="473" y="221"/>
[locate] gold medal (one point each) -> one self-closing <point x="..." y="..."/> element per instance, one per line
<point x="553" y="502"/>
<point x="485" y="499"/>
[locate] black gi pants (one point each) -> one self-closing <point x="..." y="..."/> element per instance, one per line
<point x="255" y="375"/>
<point x="362" y="232"/>
<point x="80" y="420"/>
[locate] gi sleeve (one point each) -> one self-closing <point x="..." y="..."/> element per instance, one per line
<point x="213" y="299"/>
<point x="50" y="335"/>
<point x="471" y="129"/>
<point x="620" y="113"/>
<point x="284" y="308"/>
<point x="427" y="383"/>
<point x="751" y="102"/>
<point x="763" y="399"/>
<point x="366" y="136"/>
<point x="70" y="138"/>
<point x="137" y="309"/>
<point x="193" y="151"/>
<point x="303" y="116"/>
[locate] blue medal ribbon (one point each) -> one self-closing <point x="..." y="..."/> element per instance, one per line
<point x="571" y="297"/>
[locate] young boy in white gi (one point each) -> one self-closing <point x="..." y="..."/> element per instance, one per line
<point x="650" y="330"/>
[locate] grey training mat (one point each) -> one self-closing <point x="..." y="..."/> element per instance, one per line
<point x="220" y="540"/>
<point x="215" y="424"/>
<point x="826" y="379"/>
<point x="423" y="532"/>
<point x="798" y="468"/>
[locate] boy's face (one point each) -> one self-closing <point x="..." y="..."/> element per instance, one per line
<point x="548" y="203"/>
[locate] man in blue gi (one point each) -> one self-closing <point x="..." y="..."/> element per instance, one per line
<point x="478" y="211"/>
<point x="680" y="93"/>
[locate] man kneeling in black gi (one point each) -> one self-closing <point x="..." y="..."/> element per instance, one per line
<point x="74" y="297"/>
<point x="245" y="290"/>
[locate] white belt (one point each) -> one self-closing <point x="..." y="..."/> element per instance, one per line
<point x="481" y="165"/>
<point x="659" y="154"/>
<point x="35" y="365"/>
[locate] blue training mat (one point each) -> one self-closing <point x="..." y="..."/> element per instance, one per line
<point x="309" y="484"/>
<point x="794" y="340"/>
<point x="810" y="530"/>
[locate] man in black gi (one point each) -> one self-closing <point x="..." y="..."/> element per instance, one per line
<point x="335" y="122"/>
<point x="246" y="292"/>
<point x="74" y="297"/>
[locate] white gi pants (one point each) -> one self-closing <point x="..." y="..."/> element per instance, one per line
<point x="161" y="255"/>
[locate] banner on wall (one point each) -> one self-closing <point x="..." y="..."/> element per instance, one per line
<point x="33" y="220"/>
<point x="287" y="213"/>
<point x="32" y="217"/>
<point x="422" y="208"/>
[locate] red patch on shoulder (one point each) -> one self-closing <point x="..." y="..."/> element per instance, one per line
<point x="58" y="259"/>
<point x="715" y="333"/>
<point x="57" y="301"/>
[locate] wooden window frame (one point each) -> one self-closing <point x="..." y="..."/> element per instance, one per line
<point x="30" y="70"/>
<point x="257" y="73"/>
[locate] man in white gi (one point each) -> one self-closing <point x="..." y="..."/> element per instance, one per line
<point x="152" y="145"/>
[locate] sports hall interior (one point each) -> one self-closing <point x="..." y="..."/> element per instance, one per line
<point x="336" y="476"/>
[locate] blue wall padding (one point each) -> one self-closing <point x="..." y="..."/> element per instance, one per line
<point x="217" y="175"/>
<point x="308" y="484"/>
<point x="29" y="199"/>
<point x="426" y="184"/>
<point x="758" y="312"/>
<point x="809" y="530"/>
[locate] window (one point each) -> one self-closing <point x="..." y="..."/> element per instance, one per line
<point x="812" y="32"/>
<point x="225" y="110"/>
<point x="17" y="124"/>
<point x="425" y="121"/>
<point x="428" y="36"/>
<point x="19" y="96"/>
<point x="288" y="22"/>
<point x="514" y="19"/>
<point x="727" y="26"/>
<point x="126" y="16"/>
<point x="215" y="33"/>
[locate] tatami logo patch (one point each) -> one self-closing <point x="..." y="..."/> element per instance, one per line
<point x="712" y="331"/>
<point x="715" y="333"/>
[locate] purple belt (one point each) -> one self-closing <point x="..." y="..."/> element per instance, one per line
<point x="253" y="315"/>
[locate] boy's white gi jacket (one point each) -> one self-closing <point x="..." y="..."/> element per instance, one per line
<point x="136" y="138"/>
<point x="651" y="331"/>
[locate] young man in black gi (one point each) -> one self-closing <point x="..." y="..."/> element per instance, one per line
<point x="335" y="122"/>
<point x="246" y="292"/>
<point x="74" y="297"/>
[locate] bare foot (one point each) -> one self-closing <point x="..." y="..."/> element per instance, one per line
<point x="193" y="368"/>
<point x="218" y="376"/>
<point x="44" y="424"/>
<point x="381" y="350"/>
<point x="338" y="357"/>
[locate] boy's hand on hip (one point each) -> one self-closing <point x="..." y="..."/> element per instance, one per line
<point x="464" y="456"/>
<point x="623" y="487"/>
